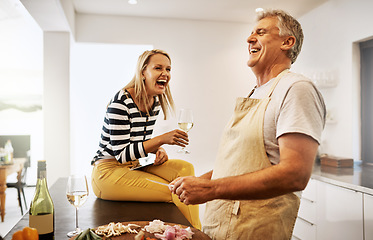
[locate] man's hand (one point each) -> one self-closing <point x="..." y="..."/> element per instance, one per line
<point x="193" y="190"/>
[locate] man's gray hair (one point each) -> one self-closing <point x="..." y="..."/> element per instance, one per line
<point x="288" y="26"/>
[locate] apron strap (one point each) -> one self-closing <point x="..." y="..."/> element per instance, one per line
<point x="277" y="79"/>
<point x="251" y="93"/>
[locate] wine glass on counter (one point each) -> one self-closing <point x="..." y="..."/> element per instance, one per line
<point x="77" y="194"/>
<point x="185" y="123"/>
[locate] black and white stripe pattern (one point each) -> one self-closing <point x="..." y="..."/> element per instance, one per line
<point x="125" y="129"/>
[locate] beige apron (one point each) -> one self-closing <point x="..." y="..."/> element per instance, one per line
<point x="242" y="151"/>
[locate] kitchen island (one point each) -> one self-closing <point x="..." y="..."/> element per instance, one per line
<point x="97" y="212"/>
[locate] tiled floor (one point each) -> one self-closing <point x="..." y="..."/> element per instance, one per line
<point x="12" y="209"/>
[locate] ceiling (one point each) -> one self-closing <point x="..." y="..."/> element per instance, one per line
<point x="211" y="10"/>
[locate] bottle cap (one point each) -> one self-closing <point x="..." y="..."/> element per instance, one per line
<point x="42" y="165"/>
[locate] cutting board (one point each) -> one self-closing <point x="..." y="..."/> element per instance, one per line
<point x="198" y="235"/>
<point x="333" y="161"/>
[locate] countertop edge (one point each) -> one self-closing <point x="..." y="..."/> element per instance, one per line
<point x="359" y="178"/>
<point x="346" y="185"/>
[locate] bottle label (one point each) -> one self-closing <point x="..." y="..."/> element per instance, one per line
<point x="43" y="223"/>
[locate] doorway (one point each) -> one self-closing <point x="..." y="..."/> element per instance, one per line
<point x="366" y="83"/>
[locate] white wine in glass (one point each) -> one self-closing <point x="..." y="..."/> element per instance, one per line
<point x="185" y="123"/>
<point x="77" y="195"/>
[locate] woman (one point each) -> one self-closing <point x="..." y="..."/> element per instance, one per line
<point x="126" y="137"/>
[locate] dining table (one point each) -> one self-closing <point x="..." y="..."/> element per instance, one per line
<point x="97" y="212"/>
<point x="15" y="166"/>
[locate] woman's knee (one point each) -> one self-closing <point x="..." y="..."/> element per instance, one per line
<point x="95" y="188"/>
<point x="184" y="168"/>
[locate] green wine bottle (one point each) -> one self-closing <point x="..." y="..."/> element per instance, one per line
<point x="41" y="213"/>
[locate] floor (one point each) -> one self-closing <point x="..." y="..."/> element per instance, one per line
<point x="12" y="209"/>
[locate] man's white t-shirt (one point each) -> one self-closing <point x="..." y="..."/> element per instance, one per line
<point x="296" y="106"/>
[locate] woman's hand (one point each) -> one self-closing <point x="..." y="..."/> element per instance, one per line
<point x="160" y="156"/>
<point x="175" y="137"/>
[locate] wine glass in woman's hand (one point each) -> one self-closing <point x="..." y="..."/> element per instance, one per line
<point x="185" y="122"/>
<point x="77" y="194"/>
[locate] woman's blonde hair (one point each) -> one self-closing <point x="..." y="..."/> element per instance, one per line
<point x="137" y="82"/>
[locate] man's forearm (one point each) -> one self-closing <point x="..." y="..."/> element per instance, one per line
<point x="264" y="184"/>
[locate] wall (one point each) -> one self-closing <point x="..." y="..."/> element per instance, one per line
<point x="331" y="35"/>
<point x="56" y="101"/>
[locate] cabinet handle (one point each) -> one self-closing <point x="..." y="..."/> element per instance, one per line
<point x="306" y="221"/>
<point x="311" y="201"/>
<point x="295" y="237"/>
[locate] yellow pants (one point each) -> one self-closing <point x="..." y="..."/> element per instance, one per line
<point x="115" y="181"/>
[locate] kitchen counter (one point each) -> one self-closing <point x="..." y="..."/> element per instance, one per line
<point x="358" y="178"/>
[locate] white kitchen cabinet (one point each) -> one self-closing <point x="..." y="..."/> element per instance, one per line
<point x="333" y="212"/>
<point x="307" y="209"/>
<point x="305" y="226"/>
<point x="310" y="191"/>
<point x="304" y="230"/>
<point x="339" y="213"/>
<point x="368" y="216"/>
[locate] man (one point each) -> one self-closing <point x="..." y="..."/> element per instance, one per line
<point x="268" y="148"/>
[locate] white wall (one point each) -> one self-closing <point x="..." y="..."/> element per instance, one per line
<point x="331" y="32"/>
<point x="56" y="101"/>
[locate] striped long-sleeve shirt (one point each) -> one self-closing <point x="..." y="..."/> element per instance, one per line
<point x="125" y="129"/>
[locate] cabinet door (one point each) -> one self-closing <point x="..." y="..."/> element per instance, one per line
<point x="304" y="230"/>
<point x="307" y="209"/>
<point x="339" y="212"/>
<point x="310" y="192"/>
<point x="305" y="227"/>
<point x="368" y="216"/>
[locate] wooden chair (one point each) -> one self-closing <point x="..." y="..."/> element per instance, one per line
<point x="21" y="184"/>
